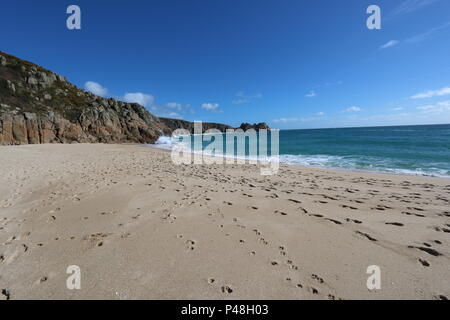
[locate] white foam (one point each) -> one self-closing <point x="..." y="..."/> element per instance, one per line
<point x="163" y="142"/>
<point x="324" y="161"/>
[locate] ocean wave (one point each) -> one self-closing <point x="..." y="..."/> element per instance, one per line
<point x="360" y="163"/>
<point x="163" y="142"/>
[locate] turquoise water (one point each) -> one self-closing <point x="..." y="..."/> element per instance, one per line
<point x="419" y="150"/>
<point x="414" y="150"/>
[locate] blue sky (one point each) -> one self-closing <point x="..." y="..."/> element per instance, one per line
<point x="291" y="63"/>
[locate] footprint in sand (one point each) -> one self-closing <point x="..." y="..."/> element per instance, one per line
<point x="226" y="289"/>
<point x="366" y="236"/>
<point x="190" y="244"/>
<point x="42" y="279"/>
<point x="430" y="251"/>
<point x="424" y="262"/>
<point x="397" y="224"/>
<point x="95" y="239"/>
<point x="317" y="278"/>
<point x="5" y="294"/>
<point x="313" y="290"/>
<point x="334" y="221"/>
<point x="10" y="240"/>
<point x="353" y="220"/>
<point x="438" y="229"/>
<point x="125" y="235"/>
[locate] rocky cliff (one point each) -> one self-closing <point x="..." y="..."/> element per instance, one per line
<point x="256" y="126"/>
<point x="40" y="106"/>
<point x="174" y="124"/>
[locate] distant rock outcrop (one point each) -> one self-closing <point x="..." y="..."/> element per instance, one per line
<point x="175" y="124"/>
<point x="256" y="126"/>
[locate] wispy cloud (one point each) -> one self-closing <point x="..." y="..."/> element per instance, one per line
<point x="437" y="108"/>
<point x="96" y="88"/>
<point x="242" y="97"/>
<point x="409" y="6"/>
<point x="390" y="44"/>
<point x="398" y="109"/>
<point x="312" y="94"/>
<point x="143" y="99"/>
<point x="353" y="109"/>
<point x="211" y="107"/>
<point x="432" y="93"/>
<point x="173" y="115"/>
<point x="293" y="120"/>
<point x="320" y="113"/>
<point x="422" y="36"/>
<point x="417" y="38"/>
<point x="177" y="106"/>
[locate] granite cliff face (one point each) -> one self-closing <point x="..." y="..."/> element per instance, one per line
<point x="39" y="106"/>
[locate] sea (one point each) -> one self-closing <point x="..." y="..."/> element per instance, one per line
<point x="412" y="150"/>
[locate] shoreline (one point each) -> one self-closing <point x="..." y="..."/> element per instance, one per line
<point x="154" y="146"/>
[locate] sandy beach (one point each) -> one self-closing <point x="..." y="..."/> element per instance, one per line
<point x="140" y="227"/>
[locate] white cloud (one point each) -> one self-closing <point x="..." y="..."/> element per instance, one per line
<point x="139" y="97"/>
<point x="244" y="98"/>
<point x="96" y="88"/>
<point x="437" y="108"/>
<point x="353" y="109"/>
<point x="432" y="93"/>
<point x="293" y="120"/>
<point x="240" y="101"/>
<point x="417" y="38"/>
<point x="177" y="106"/>
<point x="168" y="110"/>
<point x="320" y="113"/>
<point x="398" y="109"/>
<point x="212" y="107"/>
<point x="312" y="94"/>
<point x="390" y="44"/>
<point x="173" y="115"/>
